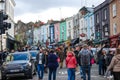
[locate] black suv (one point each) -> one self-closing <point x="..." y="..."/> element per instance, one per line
<point x="18" y="64"/>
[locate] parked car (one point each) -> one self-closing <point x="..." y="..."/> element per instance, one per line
<point x="34" y="54"/>
<point x="18" y="64"/>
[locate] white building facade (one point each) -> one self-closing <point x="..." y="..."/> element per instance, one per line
<point x="9" y="10"/>
<point x="82" y="29"/>
<point x="69" y="25"/>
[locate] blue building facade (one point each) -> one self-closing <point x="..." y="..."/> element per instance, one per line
<point x="43" y="34"/>
<point x="52" y="36"/>
<point x="89" y="23"/>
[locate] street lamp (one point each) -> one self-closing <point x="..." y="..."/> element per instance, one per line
<point x="2" y="5"/>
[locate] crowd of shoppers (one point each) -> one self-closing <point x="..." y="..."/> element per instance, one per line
<point x="77" y="56"/>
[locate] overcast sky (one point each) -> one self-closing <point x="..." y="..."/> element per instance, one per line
<point x="34" y="10"/>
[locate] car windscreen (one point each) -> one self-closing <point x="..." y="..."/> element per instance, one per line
<point x="33" y="54"/>
<point x="15" y="57"/>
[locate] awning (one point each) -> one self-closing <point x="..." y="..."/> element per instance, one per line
<point x="96" y="41"/>
<point x="75" y="41"/>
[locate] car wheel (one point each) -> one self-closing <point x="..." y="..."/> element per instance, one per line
<point x="3" y="78"/>
<point x="34" y="73"/>
<point x="30" y="75"/>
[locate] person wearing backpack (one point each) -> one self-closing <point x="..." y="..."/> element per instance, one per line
<point x="85" y="56"/>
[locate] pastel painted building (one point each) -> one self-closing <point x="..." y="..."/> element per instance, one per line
<point x="57" y="31"/>
<point x="48" y="32"/>
<point x="82" y="29"/>
<point x="43" y="34"/>
<point x="86" y="20"/>
<point x="89" y="24"/>
<point x="36" y="34"/>
<point x="76" y="25"/>
<point x="52" y="36"/>
<point x="63" y="35"/>
<point x="69" y="28"/>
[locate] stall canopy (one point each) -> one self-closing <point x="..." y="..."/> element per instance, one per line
<point x="75" y="41"/>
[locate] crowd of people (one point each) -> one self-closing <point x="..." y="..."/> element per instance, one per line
<point x="78" y="56"/>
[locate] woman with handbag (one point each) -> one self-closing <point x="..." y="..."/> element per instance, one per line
<point x="115" y="65"/>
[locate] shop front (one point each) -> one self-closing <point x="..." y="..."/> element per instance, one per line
<point x="105" y="41"/>
<point x="11" y="43"/>
<point x="114" y="41"/>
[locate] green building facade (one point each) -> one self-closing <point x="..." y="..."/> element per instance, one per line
<point x="63" y="34"/>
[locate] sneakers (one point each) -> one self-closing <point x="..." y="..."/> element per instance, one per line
<point x="110" y="77"/>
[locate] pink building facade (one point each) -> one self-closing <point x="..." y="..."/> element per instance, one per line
<point x="57" y="32"/>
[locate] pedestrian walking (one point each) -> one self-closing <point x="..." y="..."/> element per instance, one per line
<point x="85" y="56"/>
<point x="76" y="52"/>
<point x="115" y="65"/>
<point x="103" y="58"/>
<point x="100" y="62"/>
<point x="109" y="57"/>
<point x="46" y="59"/>
<point x="71" y="63"/>
<point x="61" y="56"/>
<point x="81" y="73"/>
<point x="40" y="64"/>
<point x="52" y="65"/>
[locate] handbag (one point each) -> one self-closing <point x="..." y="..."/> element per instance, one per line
<point x="92" y="61"/>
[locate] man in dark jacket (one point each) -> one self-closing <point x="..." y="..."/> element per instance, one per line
<point x="40" y="58"/>
<point x="52" y="64"/>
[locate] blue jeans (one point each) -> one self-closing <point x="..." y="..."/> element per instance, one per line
<point x="40" y="70"/>
<point x="100" y="67"/>
<point x="86" y="70"/>
<point x="81" y="73"/>
<point x="71" y="73"/>
<point x="52" y="71"/>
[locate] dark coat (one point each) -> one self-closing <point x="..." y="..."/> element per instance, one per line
<point x="43" y="59"/>
<point x="52" y="61"/>
<point x="76" y="55"/>
<point x="99" y="56"/>
<point x="109" y="58"/>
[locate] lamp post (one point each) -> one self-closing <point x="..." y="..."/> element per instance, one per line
<point x="2" y="6"/>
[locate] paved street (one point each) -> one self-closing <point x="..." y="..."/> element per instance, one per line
<point x="62" y="75"/>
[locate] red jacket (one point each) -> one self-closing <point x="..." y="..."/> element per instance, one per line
<point x="71" y="60"/>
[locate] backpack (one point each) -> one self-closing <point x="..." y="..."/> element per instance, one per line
<point x="85" y="57"/>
